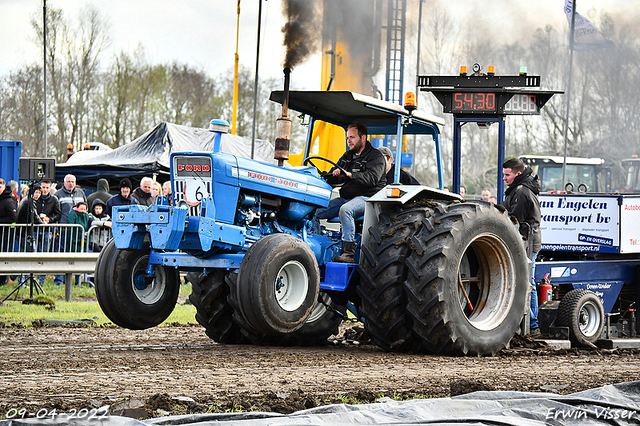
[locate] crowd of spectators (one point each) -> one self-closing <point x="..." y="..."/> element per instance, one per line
<point x="42" y="204"/>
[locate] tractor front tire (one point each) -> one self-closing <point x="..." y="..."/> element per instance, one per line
<point x="127" y="295"/>
<point x="278" y="284"/>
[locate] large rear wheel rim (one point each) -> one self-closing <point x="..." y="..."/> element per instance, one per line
<point x="291" y="285"/>
<point x="495" y="280"/>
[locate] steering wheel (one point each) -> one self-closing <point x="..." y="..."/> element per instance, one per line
<point x="308" y="160"/>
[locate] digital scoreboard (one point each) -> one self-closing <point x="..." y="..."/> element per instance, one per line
<point x="482" y="94"/>
<point x="500" y="102"/>
<point x="474" y="102"/>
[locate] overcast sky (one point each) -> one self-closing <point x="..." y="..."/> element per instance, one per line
<point x="202" y="33"/>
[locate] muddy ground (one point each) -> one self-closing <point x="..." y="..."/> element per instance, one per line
<point x="177" y="370"/>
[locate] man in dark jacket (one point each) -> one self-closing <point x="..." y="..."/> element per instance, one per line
<point x="48" y="205"/>
<point x="28" y="207"/>
<point x="405" y="177"/>
<point x="69" y="195"/>
<point x="102" y="192"/>
<point x="48" y="208"/>
<point x="142" y="194"/>
<point x="361" y="171"/>
<point x="521" y="201"/>
<point x="8" y="204"/>
<point x="8" y="214"/>
<point x="122" y="198"/>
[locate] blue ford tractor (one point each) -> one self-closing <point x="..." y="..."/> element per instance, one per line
<point x="433" y="274"/>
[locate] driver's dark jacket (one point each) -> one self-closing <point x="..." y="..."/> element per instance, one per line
<point x="368" y="170"/>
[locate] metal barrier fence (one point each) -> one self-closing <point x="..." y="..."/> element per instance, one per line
<point x="63" y="249"/>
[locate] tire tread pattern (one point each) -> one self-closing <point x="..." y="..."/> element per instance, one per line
<point x="382" y="272"/>
<point x="432" y="280"/>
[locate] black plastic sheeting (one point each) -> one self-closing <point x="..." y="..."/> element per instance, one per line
<point x="609" y="405"/>
<point x="150" y="154"/>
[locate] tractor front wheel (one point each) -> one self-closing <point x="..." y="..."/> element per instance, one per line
<point x="278" y="284"/>
<point x="128" y="296"/>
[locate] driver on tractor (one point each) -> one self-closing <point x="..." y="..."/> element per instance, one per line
<point x="361" y="172"/>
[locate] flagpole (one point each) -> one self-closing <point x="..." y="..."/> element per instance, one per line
<point x="255" y="84"/>
<point x="44" y="71"/>
<point x="566" y="121"/>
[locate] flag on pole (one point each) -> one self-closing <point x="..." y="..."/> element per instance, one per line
<point x="586" y="35"/>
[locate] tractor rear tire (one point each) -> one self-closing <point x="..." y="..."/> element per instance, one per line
<point x="476" y="246"/>
<point x="581" y="311"/>
<point x="278" y="284"/>
<point x="129" y="297"/>
<point x="209" y="296"/>
<point x="382" y="271"/>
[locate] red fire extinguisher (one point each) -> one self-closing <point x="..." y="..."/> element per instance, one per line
<point x="546" y="291"/>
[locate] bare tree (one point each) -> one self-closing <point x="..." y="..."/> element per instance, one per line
<point x="22" y="110"/>
<point x="56" y="36"/>
<point x="83" y="52"/>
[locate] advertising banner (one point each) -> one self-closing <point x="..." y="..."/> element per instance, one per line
<point x="580" y="223"/>
<point x="630" y="224"/>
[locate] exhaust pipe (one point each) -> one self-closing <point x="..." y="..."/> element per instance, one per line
<point x="283" y="125"/>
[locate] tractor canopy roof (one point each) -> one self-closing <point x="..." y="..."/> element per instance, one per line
<point x="343" y="108"/>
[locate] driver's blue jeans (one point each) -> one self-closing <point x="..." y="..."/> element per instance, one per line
<point x="348" y="211"/>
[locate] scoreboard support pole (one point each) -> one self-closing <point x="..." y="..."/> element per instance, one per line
<point x="458" y="121"/>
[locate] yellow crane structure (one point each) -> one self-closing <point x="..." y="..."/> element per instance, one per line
<point x="345" y="66"/>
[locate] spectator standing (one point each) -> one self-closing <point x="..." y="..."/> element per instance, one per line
<point x="98" y="217"/>
<point x="24" y="191"/>
<point x="142" y="194"/>
<point x="486" y="194"/>
<point x="8" y="204"/>
<point x="405" y="177"/>
<point x="48" y="208"/>
<point x="48" y="205"/>
<point x="77" y="216"/>
<point x="15" y="188"/>
<point x="521" y="201"/>
<point x="28" y="207"/>
<point x="69" y="196"/>
<point x="122" y="198"/>
<point x="166" y="191"/>
<point x="102" y="192"/>
<point x="156" y="189"/>
<point x="8" y="215"/>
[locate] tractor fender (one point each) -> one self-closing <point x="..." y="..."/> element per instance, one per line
<point x="408" y="193"/>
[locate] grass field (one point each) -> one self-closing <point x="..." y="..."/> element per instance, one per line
<point x="83" y="307"/>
